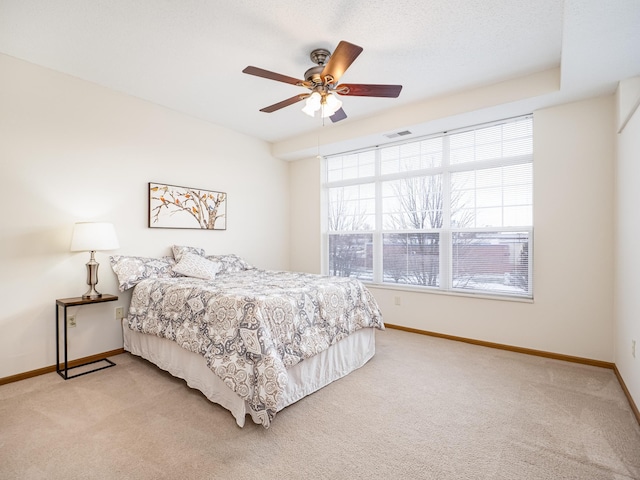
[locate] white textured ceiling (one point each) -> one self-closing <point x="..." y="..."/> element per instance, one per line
<point x="188" y="55"/>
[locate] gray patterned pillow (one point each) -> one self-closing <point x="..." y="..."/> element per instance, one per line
<point x="230" y="263"/>
<point x="197" y="266"/>
<point x="179" y="251"/>
<point x="132" y="270"/>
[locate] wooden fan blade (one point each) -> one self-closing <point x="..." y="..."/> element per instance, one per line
<point x="339" y="115"/>
<point x="259" y="72"/>
<point x="284" y="103"/>
<point x="363" y="90"/>
<point x="343" y="56"/>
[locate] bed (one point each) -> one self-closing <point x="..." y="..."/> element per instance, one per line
<point x="253" y="341"/>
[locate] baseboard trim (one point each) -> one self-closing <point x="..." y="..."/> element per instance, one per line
<point x="634" y="407"/>
<point x="500" y="346"/>
<point x="529" y="351"/>
<point x="52" y="368"/>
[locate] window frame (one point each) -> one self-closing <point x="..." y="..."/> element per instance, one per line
<point x="445" y="169"/>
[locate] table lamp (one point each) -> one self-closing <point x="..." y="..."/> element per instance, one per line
<point x="89" y="237"/>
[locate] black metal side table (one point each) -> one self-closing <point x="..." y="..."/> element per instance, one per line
<point x="73" y="302"/>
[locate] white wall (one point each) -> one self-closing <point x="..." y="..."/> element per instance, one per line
<point x="573" y="238"/>
<point x="627" y="199"/>
<point x="305" y="192"/>
<point x="73" y="151"/>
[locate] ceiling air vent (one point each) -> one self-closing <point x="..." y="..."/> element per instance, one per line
<point x="397" y="134"/>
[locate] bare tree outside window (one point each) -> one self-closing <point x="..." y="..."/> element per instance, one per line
<point x="350" y="254"/>
<point x="417" y="203"/>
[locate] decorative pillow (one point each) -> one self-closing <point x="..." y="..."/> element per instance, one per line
<point x="197" y="266"/>
<point x="230" y="263"/>
<point x="179" y="251"/>
<point x="132" y="270"/>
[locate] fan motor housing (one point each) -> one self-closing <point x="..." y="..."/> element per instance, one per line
<point x="313" y="75"/>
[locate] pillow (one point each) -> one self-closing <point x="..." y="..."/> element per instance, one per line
<point x="132" y="270"/>
<point x="197" y="266"/>
<point x="179" y="251"/>
<point x="230" y="263"/>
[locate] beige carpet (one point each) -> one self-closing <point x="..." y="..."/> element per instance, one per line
<point x="422" y="408"/>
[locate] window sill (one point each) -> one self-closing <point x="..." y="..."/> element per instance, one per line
<point x="435" y="291"/>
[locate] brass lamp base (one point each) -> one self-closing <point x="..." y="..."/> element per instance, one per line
<point x="92" y="277"/>
<point x="92" y="293"/>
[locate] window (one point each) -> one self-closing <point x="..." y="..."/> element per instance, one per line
<point x="449" y="212"/>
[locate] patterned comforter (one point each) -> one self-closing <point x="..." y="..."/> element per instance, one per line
<point x="252" y="325"/>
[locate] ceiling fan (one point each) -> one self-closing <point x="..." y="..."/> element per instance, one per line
<point x="322" y="81"/>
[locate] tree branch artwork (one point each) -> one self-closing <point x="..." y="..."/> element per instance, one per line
<point x="172" y="206"/>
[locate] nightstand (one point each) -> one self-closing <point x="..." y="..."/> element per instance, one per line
<point x="74" y="302"/>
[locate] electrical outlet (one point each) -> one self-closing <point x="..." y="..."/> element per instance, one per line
<point x="119" y="313"/>
<point x="397" y="300"/>
<point x="633" y="348"/>
<point x="71" y="321"/>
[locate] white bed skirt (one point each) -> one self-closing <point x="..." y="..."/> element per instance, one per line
<point x="305" y="377"/>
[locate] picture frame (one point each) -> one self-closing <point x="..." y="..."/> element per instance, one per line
<point x="173" y="206"/>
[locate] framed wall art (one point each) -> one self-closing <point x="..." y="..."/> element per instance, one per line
<point x="171" y="206"/>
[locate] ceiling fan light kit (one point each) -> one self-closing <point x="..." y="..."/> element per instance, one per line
<point x="325" y="103"/>
<point x="322" y="81"/>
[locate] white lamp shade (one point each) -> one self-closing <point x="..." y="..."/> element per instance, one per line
<point x="333" y="103"/>
<point x="312" y="104"/>
<point x="89" y="236"/>
<point x="314" y="100"/>
<point x="309" y="110"/>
